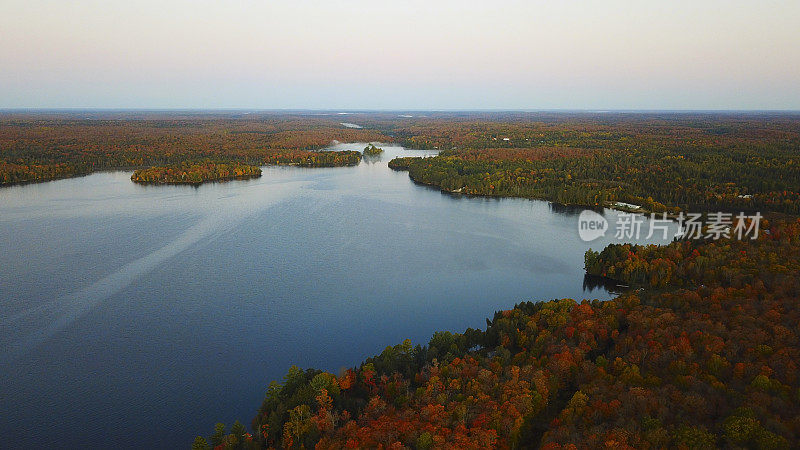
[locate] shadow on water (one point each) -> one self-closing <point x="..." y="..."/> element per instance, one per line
<point x="595" y="282"/>
<point x="371" y="159"/>
<point x="557" y="208"/>
<point x="572" y="210"/>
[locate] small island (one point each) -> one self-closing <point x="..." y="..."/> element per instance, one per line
<point x="195" y="173"/>
<point x="322" y="158"/>
<point x="371" y="150"/>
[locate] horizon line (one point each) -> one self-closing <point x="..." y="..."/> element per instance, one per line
<point x="372" y="110"/>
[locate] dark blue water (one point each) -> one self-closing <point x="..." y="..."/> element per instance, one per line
<point x="142" y="315"/>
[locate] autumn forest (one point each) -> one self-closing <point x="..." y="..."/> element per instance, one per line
<point x="700" y="350"/>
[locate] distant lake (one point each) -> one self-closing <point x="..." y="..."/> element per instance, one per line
<point x="142" y="315"/>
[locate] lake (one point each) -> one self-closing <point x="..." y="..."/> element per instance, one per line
<point x="142" y="315"/>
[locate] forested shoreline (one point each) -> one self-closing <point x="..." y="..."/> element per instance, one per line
<point x="593" y="179"/>
<point x="659" y="162"/>
<point x="707" y="362"/>
<point x="36" y="148"/>
<point x="701" y="352"/>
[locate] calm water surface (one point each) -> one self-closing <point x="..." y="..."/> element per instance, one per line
<point x="142" y="315"/>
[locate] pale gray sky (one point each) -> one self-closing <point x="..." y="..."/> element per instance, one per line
<point x="354" y="54"/>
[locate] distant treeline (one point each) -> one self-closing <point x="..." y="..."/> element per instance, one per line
<point x="661" y="161"/>
<point x="746" y="176"/>
<point x="44" y="147"/>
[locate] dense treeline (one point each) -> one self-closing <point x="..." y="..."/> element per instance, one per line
<point x="41" y="147"/>
<point x="708" y="363"/>
<point x="23" y="173"/>
<point x="195" y="173"/>
<point x="315" y="159"/>
<point x="662" y="162"/>
<point x="614" y="131"/>
<point x="698" y="179"/>
<point x="729" y="263"/>
<point x="698" y="162"/>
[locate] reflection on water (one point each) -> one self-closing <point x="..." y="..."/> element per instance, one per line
<point x="372" y="159"/>
<point x="148" y="313"/>
<point x="593" y="282"/>
<point x="572" y="210"/>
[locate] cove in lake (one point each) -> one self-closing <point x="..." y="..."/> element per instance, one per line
<point x="142" y="315"/>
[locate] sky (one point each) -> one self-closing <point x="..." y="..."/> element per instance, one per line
<point x="410" y="55"/>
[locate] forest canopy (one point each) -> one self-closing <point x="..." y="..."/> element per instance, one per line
<point x="662" y="162"/>
<point x="41" y="147"/>
<point x="372" y="150"/>
<point x="195" y="173"/>
<point x="659" y="180"/>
